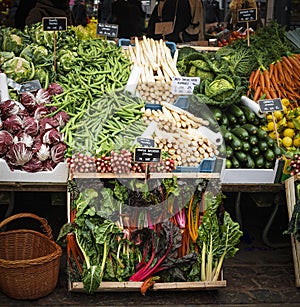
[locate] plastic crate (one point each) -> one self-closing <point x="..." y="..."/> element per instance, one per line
<point x="153" y="106"/>
<point x="125" y="42"/>
<point x="206" y="166"/>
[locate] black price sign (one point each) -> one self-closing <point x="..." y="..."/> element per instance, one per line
<point x="147" y="155"/>
<point x="270" y="105"/>
<point x="145" y="142"/>
<point x="30" y="86"/>
<point x="109" y="30"/>
<point x="247" y="15"/>
<point x="54" y="23"/>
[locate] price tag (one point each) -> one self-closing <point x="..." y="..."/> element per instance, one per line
<point x="109" y="30"/>
<point x="270" y="105"/>
<point x="184" y="85"/>
<point x="145" y="142"/>
<point x="54" y="23"/>
<point x="147" y="155"/>
<point x="30" y="86"/>
<point x="245" y="15"/>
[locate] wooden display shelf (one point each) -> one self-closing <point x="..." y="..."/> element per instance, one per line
<point x="183" y="175"/>
<point x="107" y="286"/>
<point x="291" y="201"/>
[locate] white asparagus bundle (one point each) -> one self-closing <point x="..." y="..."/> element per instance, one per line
<point x="158" y="69"/>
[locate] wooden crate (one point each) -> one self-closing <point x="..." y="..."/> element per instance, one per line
<point x="291" y="201"/>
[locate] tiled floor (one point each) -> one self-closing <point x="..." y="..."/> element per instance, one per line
<point x="258" y="275"/>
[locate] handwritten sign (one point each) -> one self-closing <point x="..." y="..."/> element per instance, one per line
<point x="247" y="15"/>
<point x="147" y="155"/>
<point x="184" y="85"/>
<point x="270" y="105"/>
<point x="109" y="30"/>
<point x="54" y="23"/>
<point x="145" y="142"/>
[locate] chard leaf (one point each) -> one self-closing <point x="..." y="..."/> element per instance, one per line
<point x="91" y="278"/>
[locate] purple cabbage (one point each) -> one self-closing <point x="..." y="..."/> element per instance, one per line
<point x="58" y="152"/>
<point x="6" y="140"/>
<point x="13" y="124"/>
<point x="33" y="166"/>
<point x="52" y="137"/>
<point x="19" y="154"/>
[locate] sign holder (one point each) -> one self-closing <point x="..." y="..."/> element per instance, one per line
<point x="270" y="106"/>
<point x="247" y="15"/>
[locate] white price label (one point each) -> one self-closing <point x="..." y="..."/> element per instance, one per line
<point x="184" y="85"/>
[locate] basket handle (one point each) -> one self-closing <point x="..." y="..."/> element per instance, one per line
<point x="45" y="225"/>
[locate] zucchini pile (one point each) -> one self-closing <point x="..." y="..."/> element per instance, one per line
<point x="247" y="145"/>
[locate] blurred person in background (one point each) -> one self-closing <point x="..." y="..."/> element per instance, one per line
<point x="49" y="8"/>
<point x="186" y="17"/>
<point x="212" y="14"/>
<point x="79" y="13"/>
<point x="104" y="11"/>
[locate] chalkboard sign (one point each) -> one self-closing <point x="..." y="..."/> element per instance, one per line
<point x="270" y="105"/>
<point x="54" y="23"/>
<point x="247" y="15"/>
<point x="30" y="86"/>
<point x="145" y="142"/>
<point x="147" y="155"/>
<point x="109" y="30"/>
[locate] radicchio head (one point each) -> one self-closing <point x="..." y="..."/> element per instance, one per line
<point x="18" y="154"/>
<point x="6" y="140"/>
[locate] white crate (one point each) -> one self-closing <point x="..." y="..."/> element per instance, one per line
<point x="243" y="175"/>
<point x="58" y="174"/>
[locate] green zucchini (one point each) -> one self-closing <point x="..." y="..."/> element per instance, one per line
<point x="235" y="110"/>
<point x="235" y="143"/>
<point x="270" y="141"/>
<point x="235" y="162"/>
<point x="231" y="118"/>
<point x="260" y="161"/>
<point x="277" y="151"/>
<point x="241" y="156"/>
<point x="217" y="113"/>
<point x="262" y="145"/>
<point x="252" y="129"/>
<point x="262" y="134"/>
<point x="229" y="152"/>
<point x="269" y="164"/>
<point x="224" y="120"/>
<point x="227" y="135"/>
<point x="269" y="155"/>
<point x="250" y="163"/>
<point x="253" y="140"/>
<point x="228" y="163"/>
<point x="240" y="133"/>
<point x="249" y="114"/>
<point x="255" y="152"/>
<point x="246" y="147"/>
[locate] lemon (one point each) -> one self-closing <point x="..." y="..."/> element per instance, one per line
<point x="290" y="124"/>
<point x="287" y="141"/>
<point x="271" y="126"/>
<point x="296" y="142"/>
<point x="272" y="135"/>
<point x="285" y="102"/>
<point x="289" y="132"/>
<point x="284" y="109"/>
<point x="269" y="117"/>
<point x="278" y="115"/>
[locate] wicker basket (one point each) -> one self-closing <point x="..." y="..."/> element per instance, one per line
<point x="29" y="260"/>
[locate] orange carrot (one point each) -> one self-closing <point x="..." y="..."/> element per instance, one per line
<point x="287" y="62"/>
<point x="275" y="85"/>
<point x="267" y="79"/>
<point x="257" y="93"/>
<point x="266" y="92"/>
<point x="281" y="75"/>
<point x="271" y="69"/>
<point x="262" y="81"/>
<point x="255" y="79"/>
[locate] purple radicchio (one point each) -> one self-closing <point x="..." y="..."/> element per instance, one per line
<point x="43" y="153"/>
<point x="42" y="96"/>
<point x="52" y="136"/>
<point x="18" y="154"/>
<point x="55" y="89"/>
<point x="6" y="140"/>
<point x="13" y="124"/>
<point x="47" y="123"/>
<point x="28" y="101"/>
<point x="31" y="125"/>
<point x="33" y="166"/>
<point x="58" y="152"/>
<point x="40" y="111"/>
<point x="9" y="108"/>
<point x="25" y="138"/>
<point x="62" y="117"/>
<point x="49" y="165"/>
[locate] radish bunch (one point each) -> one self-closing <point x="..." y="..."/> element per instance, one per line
<point x="294" y="165"/>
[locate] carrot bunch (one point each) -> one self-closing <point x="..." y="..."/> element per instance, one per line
<point x="281" y="80"/>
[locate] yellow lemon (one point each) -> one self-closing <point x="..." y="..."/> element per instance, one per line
<point x="269" y="117"/>
<point x="278" y="115"/>
<point x="296" y="142"/>
<point x="285" y="102"/>
<point x="272" y="135"/>
<point x="287" y="141"/>
<point x="284" y="109"/>
<point x="289" y="132"/>
<point x="271" y="126"/>
<point x="290" y="124"/>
